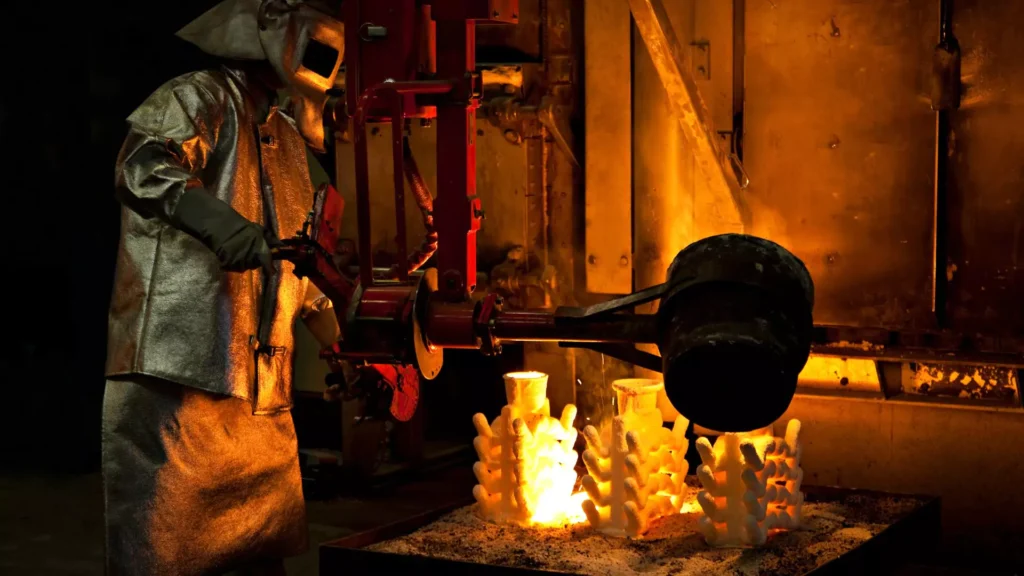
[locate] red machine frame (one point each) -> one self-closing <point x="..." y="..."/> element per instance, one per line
<point x="427" y="70"/>
<point x="416" y="59"/>
<point x="731" y="300"/>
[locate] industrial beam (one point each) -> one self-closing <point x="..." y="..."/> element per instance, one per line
<point x="669" y="59"/>
<point x="608" y="146"/>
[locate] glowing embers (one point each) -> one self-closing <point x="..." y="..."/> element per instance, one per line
<point x="751" y="484"/>
<point x="636" y="467"/>
<point x="526" y="471"/>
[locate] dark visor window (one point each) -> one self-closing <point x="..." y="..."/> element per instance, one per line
<point x="320" y="58"/>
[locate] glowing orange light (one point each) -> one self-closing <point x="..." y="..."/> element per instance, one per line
<point x="526" y="471"/>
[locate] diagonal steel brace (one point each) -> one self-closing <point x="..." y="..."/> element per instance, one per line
<point x="656" y="30"/>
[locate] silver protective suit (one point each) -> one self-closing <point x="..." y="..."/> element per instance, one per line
<point x="175" y="315"/>
<point x="199" y="453"/>
<point x="280" y="32"/>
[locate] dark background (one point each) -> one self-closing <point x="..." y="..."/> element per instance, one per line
<point x="73" y="73"/>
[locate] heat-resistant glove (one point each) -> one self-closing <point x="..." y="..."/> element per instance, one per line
<point x="238" y="243"/>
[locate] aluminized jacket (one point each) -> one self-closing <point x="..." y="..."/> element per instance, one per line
<point x="200" y="461"/>
<point x="175" y="315"/>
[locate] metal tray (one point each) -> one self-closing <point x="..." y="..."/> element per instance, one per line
<point x="909" y="538"/>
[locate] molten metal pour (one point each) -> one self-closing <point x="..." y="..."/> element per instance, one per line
<point x="526" y="469"/>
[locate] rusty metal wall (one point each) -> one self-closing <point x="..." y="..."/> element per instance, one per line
<point x="986" y="179"/>
<point x="672" y="204"/>
<point x="497" y="43"/>
<point x="608" y="143"/>
<point x="664" y="215"/>
<point x="501" y="184"/>
<point x="972" y="458"/>
<point x="838" y="142"/>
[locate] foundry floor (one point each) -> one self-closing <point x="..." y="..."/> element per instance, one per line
<point x="53" y="525"/>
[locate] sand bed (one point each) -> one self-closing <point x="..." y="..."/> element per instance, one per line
<point x="671" y="546"/>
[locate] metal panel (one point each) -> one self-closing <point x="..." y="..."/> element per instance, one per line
<point x="663" y="177"/>
<point x="969" y="457"/>
<point x="501" y="175"/>
<point x="498" y="43"/>
<point x="673" y="203"/>
<point x="845" y="375"/>
<point x="501" y="184"/>
<point x="986" y="192"/>
<point x="712" y="49"/>
<point x="839" y="148"/>
<point x="608" y="131"/>
<point x="665" y="48"/>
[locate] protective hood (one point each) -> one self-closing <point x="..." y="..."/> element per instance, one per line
<point x="302" y="40"/>
<point x="229" y="30"/>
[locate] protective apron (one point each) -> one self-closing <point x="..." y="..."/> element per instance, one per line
<point x="199" y="454"/>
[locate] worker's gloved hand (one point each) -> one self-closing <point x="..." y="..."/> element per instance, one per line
<point x="341" y="382"/>
<point x="238" y="243"/>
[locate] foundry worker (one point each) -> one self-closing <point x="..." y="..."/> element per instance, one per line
<point x="200" y="462"/>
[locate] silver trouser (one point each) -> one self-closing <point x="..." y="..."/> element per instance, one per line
<point x="194" y="483"/>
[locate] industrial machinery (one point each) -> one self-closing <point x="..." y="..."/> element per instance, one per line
<point x="731" y="300"/>
<point x="712" y="126"/>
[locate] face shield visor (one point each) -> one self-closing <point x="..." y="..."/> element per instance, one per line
<point x="304" y="42"/>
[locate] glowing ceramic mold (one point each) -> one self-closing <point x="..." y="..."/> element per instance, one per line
<point x="751" y="484"/>
<point x="635" y="466"/>
<point x="526" y="471"/>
